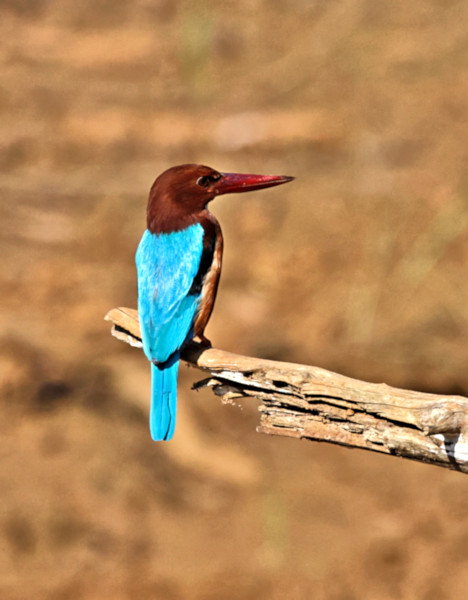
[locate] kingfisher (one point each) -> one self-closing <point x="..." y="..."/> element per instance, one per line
<point x="179" y="264"/>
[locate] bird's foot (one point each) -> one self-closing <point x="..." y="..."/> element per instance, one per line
<point x="204" y="341"/>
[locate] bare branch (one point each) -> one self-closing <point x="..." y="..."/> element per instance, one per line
<point x="309" y="402"/>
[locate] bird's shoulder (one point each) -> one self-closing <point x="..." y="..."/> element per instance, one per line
<point x="164" y="247"/>
<point x="210" y="225"/>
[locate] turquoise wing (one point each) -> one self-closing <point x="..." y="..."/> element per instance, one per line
<point x="167" y="264"/>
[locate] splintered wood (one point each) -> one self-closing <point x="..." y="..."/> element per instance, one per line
<point x="307" y="402"/>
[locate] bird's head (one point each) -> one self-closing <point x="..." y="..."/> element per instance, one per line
<point x="179" y="194"/>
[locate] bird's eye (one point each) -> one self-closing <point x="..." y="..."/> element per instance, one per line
<point x="207" y="180"/>
<point x="204" y="181"/>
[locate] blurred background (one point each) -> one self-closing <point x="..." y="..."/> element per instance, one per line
<point x="359" y="266"/>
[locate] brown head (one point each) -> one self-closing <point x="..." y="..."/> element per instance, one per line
<point x="181" y="193"/>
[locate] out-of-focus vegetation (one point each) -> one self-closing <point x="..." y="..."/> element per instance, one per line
<point x="358" y="266"/>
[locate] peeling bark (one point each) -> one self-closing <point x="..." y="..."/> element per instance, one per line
<point x="309" y="402"/>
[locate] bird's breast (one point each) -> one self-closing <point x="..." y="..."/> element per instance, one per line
<point x="206" y="262"/>
<point x="213" y="250"/>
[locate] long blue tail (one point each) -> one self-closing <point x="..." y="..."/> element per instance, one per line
<point x="164" y="399"/>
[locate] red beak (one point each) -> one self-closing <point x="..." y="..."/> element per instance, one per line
<point x="234" y="183"/>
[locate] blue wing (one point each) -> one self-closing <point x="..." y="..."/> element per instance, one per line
<point x="167" y="264"/>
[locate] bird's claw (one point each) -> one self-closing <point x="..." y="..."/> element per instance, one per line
<point x="204" y="341"/>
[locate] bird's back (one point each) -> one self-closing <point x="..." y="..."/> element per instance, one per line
<point x="167" y="264"/>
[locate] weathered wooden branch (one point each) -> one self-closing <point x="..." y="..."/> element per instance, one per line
<point x="309" y="402"/>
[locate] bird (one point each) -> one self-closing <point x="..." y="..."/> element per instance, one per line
<point x="178" y="268"/>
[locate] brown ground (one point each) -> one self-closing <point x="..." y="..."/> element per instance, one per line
<point x="358" y="266"/>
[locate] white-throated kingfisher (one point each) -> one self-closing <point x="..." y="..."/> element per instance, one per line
<point x="179" y="263"/>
